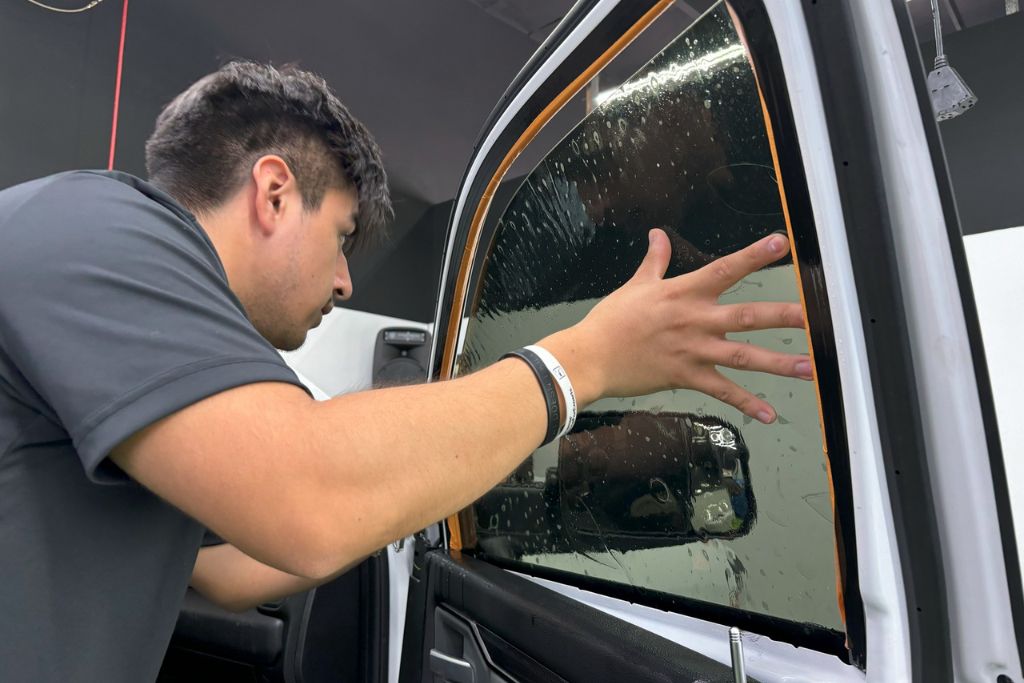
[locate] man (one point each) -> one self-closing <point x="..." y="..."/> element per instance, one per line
<point x="141" y="398"/>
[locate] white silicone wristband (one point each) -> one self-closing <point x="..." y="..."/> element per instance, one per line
<point x="568" y="394"/>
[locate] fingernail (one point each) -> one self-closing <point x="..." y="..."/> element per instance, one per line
<point x="765" y="417"/>
<point x="776" y="243"/>
<point x="803" y="368"/>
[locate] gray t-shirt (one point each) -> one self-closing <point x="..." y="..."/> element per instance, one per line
<point x="115" y="311"/>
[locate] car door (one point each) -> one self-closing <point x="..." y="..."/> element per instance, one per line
<point x="631" y="547"/>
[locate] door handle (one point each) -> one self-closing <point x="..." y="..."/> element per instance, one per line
<point x="451" y="668"/>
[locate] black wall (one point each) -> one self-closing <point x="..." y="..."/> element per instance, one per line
<point x="416" y="258"/>
<point x="985" y="146"/>
<point x="402" y="280"/>
<point x="58" y="75"/>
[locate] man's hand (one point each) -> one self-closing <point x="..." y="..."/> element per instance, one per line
<point x="654" y="334"/>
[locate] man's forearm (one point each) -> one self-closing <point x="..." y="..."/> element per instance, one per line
<point x="413" y="455"/>
<point x="226" y="576"/>
<point x="309" y="487"/>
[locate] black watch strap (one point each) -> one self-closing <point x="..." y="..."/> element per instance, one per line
<point x="547" y="386"/>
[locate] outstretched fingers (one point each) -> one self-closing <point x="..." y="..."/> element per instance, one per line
<point x="659" y="253"/>
<point x="740" y="356"/>
<point x="725" y="272"/>
<point x="766" y="315"/>
<point x="684" y="319"/>
<point x="715" y="385"/>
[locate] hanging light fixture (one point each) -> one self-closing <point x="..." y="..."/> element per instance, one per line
<point x="950" y="95"/>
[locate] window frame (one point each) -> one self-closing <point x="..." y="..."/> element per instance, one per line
<point x="772" y="84"/>
<point x="962" y="613"/>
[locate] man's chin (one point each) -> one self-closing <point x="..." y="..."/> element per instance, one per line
<point x="290" y="343"/>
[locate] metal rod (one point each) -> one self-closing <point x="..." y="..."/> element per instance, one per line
<point x="937" y="25"/>
<point x="739" y="669"/>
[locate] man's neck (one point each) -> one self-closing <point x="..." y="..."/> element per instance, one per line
<point x="227" y="227"/>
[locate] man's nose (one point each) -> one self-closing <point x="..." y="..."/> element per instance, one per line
<point x="342" y="281"/>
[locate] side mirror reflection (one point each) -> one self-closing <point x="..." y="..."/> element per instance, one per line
<point x="624" y="481"/>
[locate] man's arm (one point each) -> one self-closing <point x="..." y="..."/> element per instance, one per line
<point x="310" y="487"/>
<point x="228" y="577"/>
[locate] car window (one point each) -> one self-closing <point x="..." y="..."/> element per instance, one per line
<point x="673" y="492"/>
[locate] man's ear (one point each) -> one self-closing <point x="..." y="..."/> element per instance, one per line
<point x="276" y="191"/>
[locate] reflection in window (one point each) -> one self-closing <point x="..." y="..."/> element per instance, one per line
<point x="673" y="491"/>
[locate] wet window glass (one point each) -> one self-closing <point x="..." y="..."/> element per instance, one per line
<point x="673" y="492"/>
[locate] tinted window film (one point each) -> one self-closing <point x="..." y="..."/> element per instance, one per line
<point x="673" y="491"/>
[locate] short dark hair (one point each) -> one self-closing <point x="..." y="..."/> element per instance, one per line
<point x="207" y="139"/>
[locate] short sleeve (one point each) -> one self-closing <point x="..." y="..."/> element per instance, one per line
<point x="115" y="311"/>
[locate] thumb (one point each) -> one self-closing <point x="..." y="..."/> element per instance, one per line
<point x="659" y="253"/>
